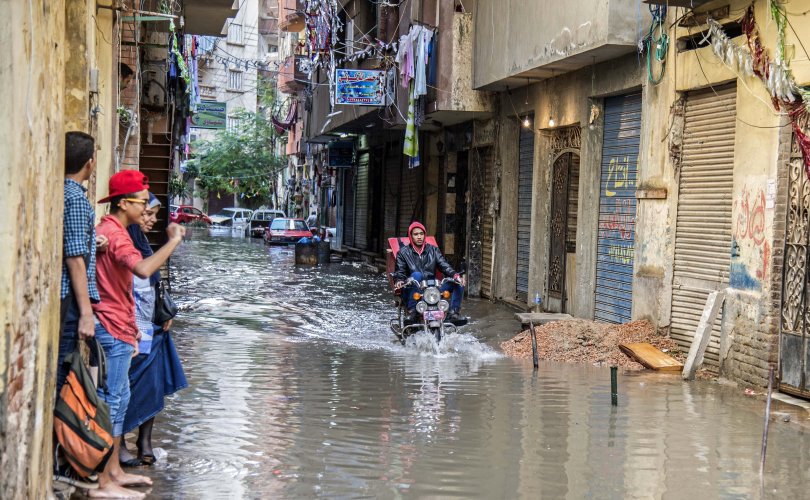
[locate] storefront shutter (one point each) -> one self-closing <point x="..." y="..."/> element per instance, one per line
<point x="524" y="216"/>
<point x="488" y="226"/>
<point x="703" y="231"/>
<point x="361" y="203"/>
<point x="617" y="209"/>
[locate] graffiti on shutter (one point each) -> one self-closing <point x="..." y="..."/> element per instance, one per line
<point x="617" y="209"/>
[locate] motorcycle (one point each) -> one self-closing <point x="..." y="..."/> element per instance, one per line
<point x="432" y="307"/>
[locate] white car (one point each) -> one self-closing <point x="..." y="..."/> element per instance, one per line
<point x="232" y="219"/>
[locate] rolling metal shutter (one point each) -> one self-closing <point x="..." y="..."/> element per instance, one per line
<point x="524" y="216"/>
<point x="703" y="231"/>
<point x="393" y="171"/>
<point x="485" y="159"/>
<point x="348" y="207"/>
<point x="409" y="197"/>
<point x="617" y="209"/>
<point x="361" y="203"/>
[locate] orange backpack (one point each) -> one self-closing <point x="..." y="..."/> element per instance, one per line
<point x="81" y="418"/>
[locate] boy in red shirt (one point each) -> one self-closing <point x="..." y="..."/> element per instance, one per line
<point x="115" y="323"/>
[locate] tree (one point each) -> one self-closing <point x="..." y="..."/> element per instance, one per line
<point x="240" y="161"/>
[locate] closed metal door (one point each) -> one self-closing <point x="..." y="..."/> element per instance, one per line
<point x="794" y="337"/>
<point x="703" y="224"/>
<point x="361" y="203"/>
<point x="617" y="209"/>
<point x="524" y="215"/>
<point x="485" y="159"/>
<point x="564" y="207"/>
<point x="348" y="207"/>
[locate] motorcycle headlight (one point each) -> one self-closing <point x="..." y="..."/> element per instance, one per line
<point x="421" y="307"/>
<point x="444" y="306"/>
<point x="432" y="295"/>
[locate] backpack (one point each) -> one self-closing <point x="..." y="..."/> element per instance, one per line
<point x="81" y="418"/>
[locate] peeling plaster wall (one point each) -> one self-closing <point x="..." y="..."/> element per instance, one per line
<point x="32" y="145"/>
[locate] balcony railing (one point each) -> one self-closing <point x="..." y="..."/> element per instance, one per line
<point x="291" y="15"/>
<point x="268" y="26"/>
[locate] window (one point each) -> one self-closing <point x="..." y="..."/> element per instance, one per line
<point x="235" y="33"/>
<point x="278" y="224"/>
<point x="271" y="48"/>
<point x="232" y="123"/>
<point x="300" y="225"/>
<point x="234" y="80"/>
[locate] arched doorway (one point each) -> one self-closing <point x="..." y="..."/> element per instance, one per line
<point x="563" y="230"/>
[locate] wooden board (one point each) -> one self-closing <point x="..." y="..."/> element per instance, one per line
<point x="651" y="357"/>
<point x="541" y="318"/>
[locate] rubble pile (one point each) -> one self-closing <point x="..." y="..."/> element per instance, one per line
<point x="582" y="341"/>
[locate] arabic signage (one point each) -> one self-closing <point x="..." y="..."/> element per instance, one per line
<point x="210" y="114"/>
<point x="359" y="87"/>
<point x="341" y="154"/>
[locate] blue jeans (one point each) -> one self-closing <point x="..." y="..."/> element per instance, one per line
<point x="68" y="336"/>
<point x="456" y="290"/>
<point x="119" y="355"/>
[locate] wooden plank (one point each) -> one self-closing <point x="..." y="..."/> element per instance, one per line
<point x="651" y="357"/>
<point x="541" y="318"/>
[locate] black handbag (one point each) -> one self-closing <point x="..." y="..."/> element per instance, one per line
<point x="165" y="308"/>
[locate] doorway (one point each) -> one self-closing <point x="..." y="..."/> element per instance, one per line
<point x="563" y="230"/>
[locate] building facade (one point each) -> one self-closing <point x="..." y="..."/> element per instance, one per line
<point x="74" y="84"/>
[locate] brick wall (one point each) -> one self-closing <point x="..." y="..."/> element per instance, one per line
<point x="752" y="320"/>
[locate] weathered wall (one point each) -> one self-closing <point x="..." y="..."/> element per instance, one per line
<point x="32" y="146"/>
<point x="567" y="99"/>
<point x="514" y="36"/>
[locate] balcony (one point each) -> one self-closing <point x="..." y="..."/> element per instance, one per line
<point x="290" y="78"/>
<point x="454" y="100"/>
<point x="268" y="26"/>
<point x="207" y="17"/>
<point x="542" y="39"/>
<point x="291" y="15"/>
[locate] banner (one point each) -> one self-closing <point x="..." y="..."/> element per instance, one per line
<point x="360" y="87"/>
<point x="210" y="114"/>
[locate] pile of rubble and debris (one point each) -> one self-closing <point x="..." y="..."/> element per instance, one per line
<point x="582" y="341"/>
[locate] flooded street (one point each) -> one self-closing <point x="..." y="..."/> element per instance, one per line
<point x="297" y="390"/>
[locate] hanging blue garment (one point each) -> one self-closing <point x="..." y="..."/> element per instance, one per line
<point x="432" y="57"/>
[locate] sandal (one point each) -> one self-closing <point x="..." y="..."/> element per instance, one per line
<point x="134" y="462"/>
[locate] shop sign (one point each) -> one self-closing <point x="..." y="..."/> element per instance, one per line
<point x="360" y="87"/>
<point x="210" y="114"/>
<point x="341" y="154"/>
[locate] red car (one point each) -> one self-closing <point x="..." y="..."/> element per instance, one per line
<point x="186" y="214"/>
<point x="283" y="230"/>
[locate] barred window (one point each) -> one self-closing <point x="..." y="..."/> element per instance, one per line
<point x="234" y="80"/>
<point x="235" y="33"/>
<point x="233" y="123"/>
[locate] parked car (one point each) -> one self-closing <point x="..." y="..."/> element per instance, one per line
<point x="231" y="218"/>
<point x="186" y="214"/>
<point x="284" y="230"/>
<point x="260" y="220"/>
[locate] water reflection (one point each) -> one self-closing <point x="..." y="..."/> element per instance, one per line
<point x="298" y="390"/>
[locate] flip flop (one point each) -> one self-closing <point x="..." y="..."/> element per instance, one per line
<point x="134" y="462"/>
<point x="147" y="459"/>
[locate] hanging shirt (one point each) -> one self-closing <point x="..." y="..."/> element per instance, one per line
<point x="423" y="37"/>
<point x="405" y="59"/>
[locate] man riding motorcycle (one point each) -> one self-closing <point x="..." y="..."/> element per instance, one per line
<point x="419" y="261"/>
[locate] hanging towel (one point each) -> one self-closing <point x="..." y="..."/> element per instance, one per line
<point x="411" y="142"/>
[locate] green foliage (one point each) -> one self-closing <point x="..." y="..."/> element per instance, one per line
<point x="240" y="161"/>
<point x="178" y="188"/>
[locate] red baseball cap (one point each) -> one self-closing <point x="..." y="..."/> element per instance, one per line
<point x="126" y="182"/>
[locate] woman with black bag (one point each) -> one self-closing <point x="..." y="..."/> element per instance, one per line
<point x="155" y="372"/>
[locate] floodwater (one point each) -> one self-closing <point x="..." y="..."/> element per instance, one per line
<point x="297" y="390"/>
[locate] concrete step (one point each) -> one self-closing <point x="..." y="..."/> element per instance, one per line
<point x="541" y="318"/>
